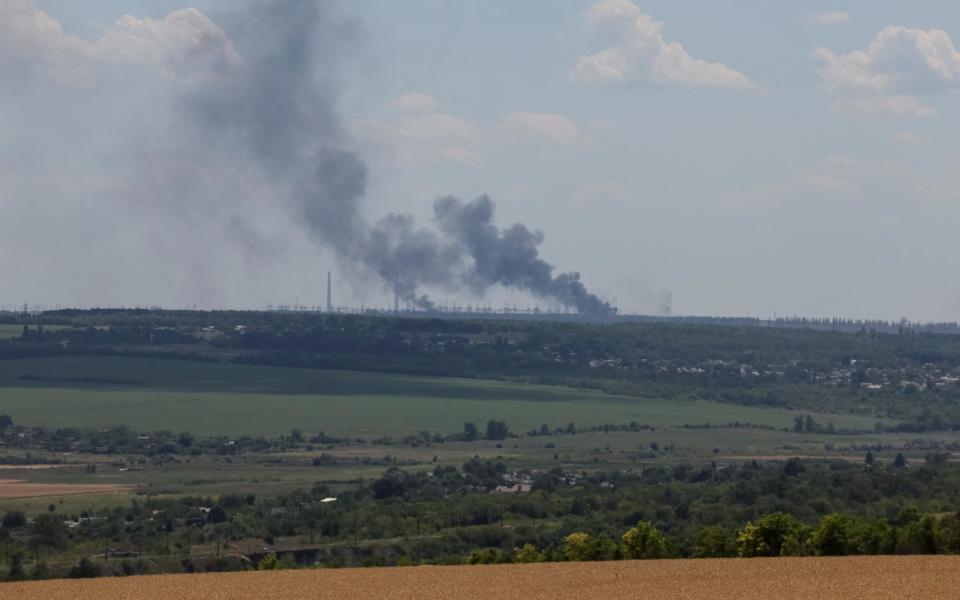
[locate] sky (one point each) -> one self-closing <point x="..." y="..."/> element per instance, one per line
<point x="746" y="158"/>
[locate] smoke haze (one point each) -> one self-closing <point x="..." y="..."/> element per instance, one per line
<point x="276" y="112"/>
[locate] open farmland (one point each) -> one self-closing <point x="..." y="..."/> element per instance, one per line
<point x="877" y="578"/>
<point x="18" y="488"/>
<point x="225" y="399"/>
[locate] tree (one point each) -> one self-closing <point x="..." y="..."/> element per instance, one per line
<point x="49" y="531"/>
<point x="645" y="541"/>
<point x="948" y="534"/>
<point x="296" y="436"/>
<point x="14" y="519"/>
<point x="918" y="536"/>
<point x="528" y="554"/>
<point x="497" y="430"/>
<point x="793" y="467"/>
<point x="581" y="546"/>
<point x="268" y="563"/>
<point x="769" y="535"/>
<point x="484" y="556"/>
<point x="85" y="569"/>
<point x="469" y="431"/>
<point x="16" y="572"/>
<point x="869" y="536"/>
<point x="715" y="542"/>
<point x="869" y="459"/>
<point x="217" y="515"/>
<point x="392" y="484"/>
<point x="6" y="421"/>
<point x="829" y="538"/>
<point x="900" y="461"/>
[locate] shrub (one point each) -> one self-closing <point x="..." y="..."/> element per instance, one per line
<point x="776" y="534"/>
<point x="645" y="541"/>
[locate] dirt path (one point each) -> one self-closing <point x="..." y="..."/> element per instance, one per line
<point x="873" y="578"/>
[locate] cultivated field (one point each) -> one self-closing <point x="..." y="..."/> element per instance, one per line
<point x="18" y="488"/>
<point x="213" y="399"/>
<point x="874" y="578"/>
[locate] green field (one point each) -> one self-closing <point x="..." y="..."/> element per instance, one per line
<point x="214" y="398"/>
<point x="8" y="330"/>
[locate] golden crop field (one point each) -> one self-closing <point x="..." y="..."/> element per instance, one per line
<point x="874" y="578"/>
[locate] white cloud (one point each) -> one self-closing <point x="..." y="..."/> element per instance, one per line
<point x="834" y="175"/>
<point x="550" y="128"/>
<point x="33" y="44"/>
<point x="641" y="51"/>
<point x="461" y="154"/>
<point x="184" y="45"/>
<point x="898" y="64"/>
<point x="415" y="103"/>
<point x="909" y="137"/>
<point x="833" y="17"/>
<point x="434" y="137"/>
<point x="437" y="126"/>
<point x="899" y="59"/>
<point x="423" y="139"/>
<point x="900" y="106"/>
<point x="608" y="194"/>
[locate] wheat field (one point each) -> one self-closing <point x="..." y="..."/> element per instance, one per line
<point x="875" y="578"/>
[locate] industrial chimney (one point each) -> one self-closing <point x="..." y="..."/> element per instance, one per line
<point x="329" y="294"/>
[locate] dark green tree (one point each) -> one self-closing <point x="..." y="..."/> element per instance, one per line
<point x="497" y="430"/>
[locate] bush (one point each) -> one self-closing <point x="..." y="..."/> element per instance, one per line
<point x="581" y="546"/>
<point x="645" y="541"/>
<point x="715" y="542"/>
<point x="527" y="554"/>
<point x="777" y="534"/>
<point x="268" y="563"/>
<point x="85" y="569"/>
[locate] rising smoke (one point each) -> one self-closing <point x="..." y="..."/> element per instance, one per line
<point x="278" y="110"/>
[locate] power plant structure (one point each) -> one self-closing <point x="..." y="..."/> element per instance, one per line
<point x="329" y="294"/>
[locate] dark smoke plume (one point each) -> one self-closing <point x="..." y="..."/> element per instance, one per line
<point x="278" y="111"/>
<point x="508" y="257"/>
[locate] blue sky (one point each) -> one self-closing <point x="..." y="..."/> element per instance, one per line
<point x="791" y="158"/>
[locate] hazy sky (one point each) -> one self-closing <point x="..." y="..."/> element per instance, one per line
<point x="728" y="158"/>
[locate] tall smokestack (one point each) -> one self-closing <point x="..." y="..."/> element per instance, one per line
<point x="329" y="294"/>
<point x="396" y="297"/>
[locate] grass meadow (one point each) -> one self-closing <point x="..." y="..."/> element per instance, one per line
<point x="227" y="399"/>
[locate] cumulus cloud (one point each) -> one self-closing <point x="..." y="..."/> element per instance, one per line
<point x="909" y="137"/>
<point x="550" y="128"/>
<point x="415" y="103"/>
<point x="183" y="45"/>
<point x="641" y="51"/>
<point x="900" y="106"/>
<point x="437" y="126"/>
<point x="34" y="45"/>
<point x="434" y="136"/>
<point x="898" y="64"/>
<point x="833" y="17"/>
<point x="431" y="137"/>
<point x="607" y="194"/>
